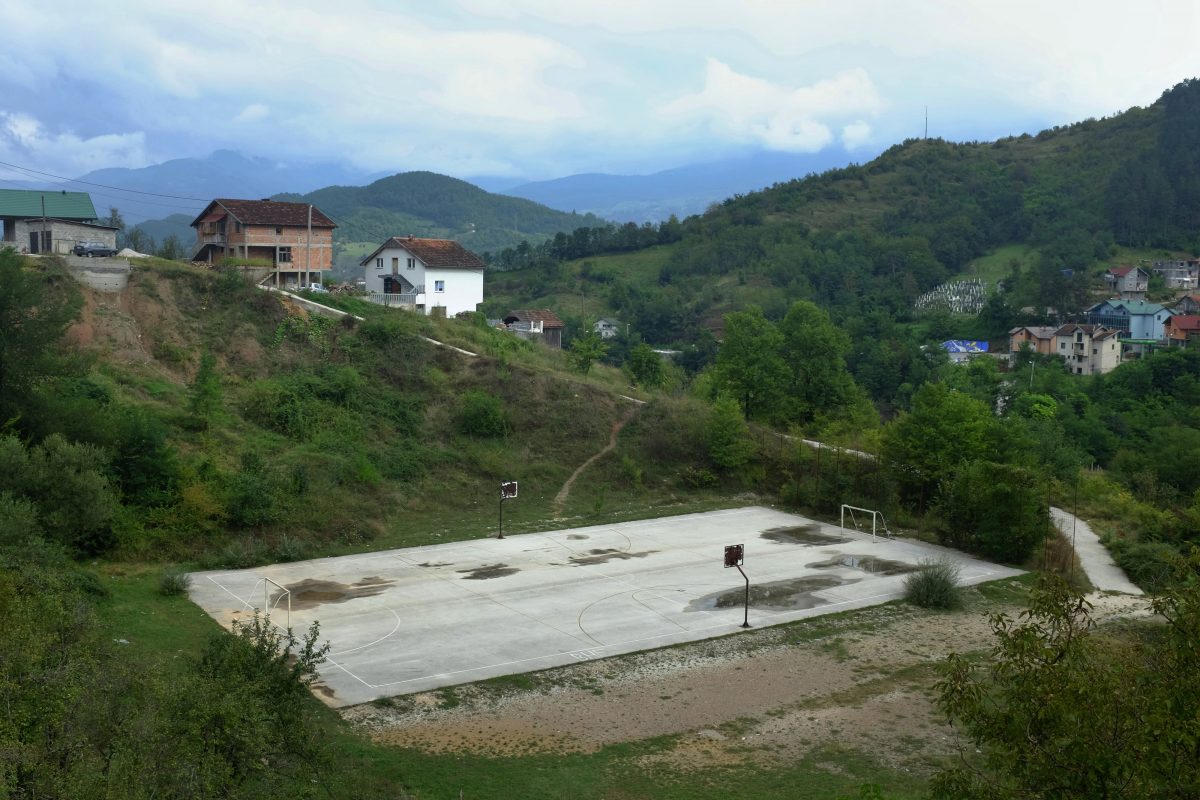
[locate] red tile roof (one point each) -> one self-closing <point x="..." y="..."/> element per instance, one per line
<point x="1120" y="271"/>
<point x="267" y="212"/>
<point x="440" y="253"/>
<point x="1185" y="322"/>
<point x="547" y="317"/>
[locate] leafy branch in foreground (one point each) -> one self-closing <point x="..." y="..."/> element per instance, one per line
<point x="1061" y="710"/>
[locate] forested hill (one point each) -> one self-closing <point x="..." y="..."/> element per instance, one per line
<point x="873" y="237"/>
<point x="425" y="203"/>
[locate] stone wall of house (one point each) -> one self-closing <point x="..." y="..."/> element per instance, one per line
<point x="64" y="235"/>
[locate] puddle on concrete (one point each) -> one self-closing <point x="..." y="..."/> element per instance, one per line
<point x="435" y="564"/>
<point x="794" y="594"/>
<point x="311" y="592"/>
<point x="604" y="556"/>
<point x="802" y="534"/>
<point x="877" y="566"/>
<point x="577" y="536"/>
<point x="488" y="571"/>
<point x="323" y="689"/>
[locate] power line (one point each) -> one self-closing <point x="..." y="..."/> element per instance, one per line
<point x="101" y="185"/>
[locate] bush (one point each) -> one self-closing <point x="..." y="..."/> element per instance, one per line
<point x="934" y="585"/>
<point x="1148" y="564"/>
<point x="174" y="583"/>
<point x="482" y="415"/>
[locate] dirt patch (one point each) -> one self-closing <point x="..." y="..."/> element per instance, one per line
<point x="603" y="556"/>
<point x="310" y="592"/>
<point x="769" y="696"/>
<point x="487" y="572"/>
<point x="802" y="534"/>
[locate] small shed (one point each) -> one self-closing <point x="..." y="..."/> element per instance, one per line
<point x="542" y="324"/>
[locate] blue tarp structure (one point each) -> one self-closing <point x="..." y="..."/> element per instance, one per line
<point x="965" y="346"/>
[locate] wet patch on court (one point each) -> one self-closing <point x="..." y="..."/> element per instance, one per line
<point x="435" y="564"/>
<point x="605" y="555"/>
<point x="575" y="537"/>
<point x="802" y="534"/>
<point x="488" y="571"/>
<point x="794" y="594"/>
<point x="876" y="566"/>
<point x="311" y="592"/>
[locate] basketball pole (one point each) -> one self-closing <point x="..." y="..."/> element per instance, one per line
<point x="746" y="615"/>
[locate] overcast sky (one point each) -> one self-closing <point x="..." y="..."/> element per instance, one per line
<point x="542" y="88"/>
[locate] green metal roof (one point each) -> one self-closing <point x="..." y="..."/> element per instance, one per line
<point x="60" y="205"/>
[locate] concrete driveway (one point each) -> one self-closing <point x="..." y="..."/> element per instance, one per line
<point x="411" y="620"/>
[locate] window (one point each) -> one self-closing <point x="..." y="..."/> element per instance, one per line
<point x="278" y="231"/>
<point x="438" y="286"/>
<point x="237" y="227"/>
<point x="395" y="263"/>
<point x="285" y="255"/>
<point x="412" y="263"/>
<point x="379" y="263"/>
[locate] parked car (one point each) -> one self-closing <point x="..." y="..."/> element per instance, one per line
<point x="318" y="288"/>
<point x="94" y="250"/>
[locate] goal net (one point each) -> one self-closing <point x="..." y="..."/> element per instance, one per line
<point x="858" y="518"/>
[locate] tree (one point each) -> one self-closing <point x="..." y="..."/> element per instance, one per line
<point x="114" y="219"/>
<point x="729" y="443"/>
<point x="995" y="510"/>
<point x="944" y="430"/>
<point x="171" y="248"/>
<point x="36" y="306"/>
<point x="586" y="350"/>
<point x="140" y="241"/>
<point x="815" y="352"/>
<point x="749" y="365"/>
<point x="645" y="365"/>
<point x="1062" y="711"/>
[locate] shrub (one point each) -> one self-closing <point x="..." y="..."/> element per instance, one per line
<point x="174" y="583"/>
<point x="934" y="585"/>
<point x="1148" y="564"/>
<point x="482" y="415"/>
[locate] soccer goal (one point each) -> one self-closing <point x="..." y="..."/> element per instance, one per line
<point x="878" y="523"/>
<point x="267" y="603"/>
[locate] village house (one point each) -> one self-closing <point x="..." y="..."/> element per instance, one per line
<point x="1132" y="319"/>
<point x="541" y="325"/>
<point x="38" y="221"/>
<point x="1189" y="304"/>
<point x="1178" y="274"/>
<point x="1088" y="349"/>
<point x="293" y="240"/>
<point x="1130" y="282"/>
<point x="607" y="328"/>
<point x="1181" y="329"/>
<point x="1038" y="338"/>
<point x="424" y="275"/>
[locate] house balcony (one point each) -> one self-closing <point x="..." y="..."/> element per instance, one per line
<point x="405" y="300"/>
<point x="211" y="238"/>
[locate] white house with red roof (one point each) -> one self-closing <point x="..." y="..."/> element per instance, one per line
<point x="424" y="274"/>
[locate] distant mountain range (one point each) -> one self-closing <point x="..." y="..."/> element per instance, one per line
<point x="184" y="185"/>
<point x="681" y="191"/>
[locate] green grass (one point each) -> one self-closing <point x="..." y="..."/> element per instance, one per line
<point x="997" y="265"/>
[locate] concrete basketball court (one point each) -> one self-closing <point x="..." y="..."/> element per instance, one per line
<point x="411" y="620"/>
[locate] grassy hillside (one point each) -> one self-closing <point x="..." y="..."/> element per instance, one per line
<point x="871" y="238"/>
<point x="428" y="204"/>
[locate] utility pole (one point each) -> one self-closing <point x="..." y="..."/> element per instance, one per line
<point x="42" y="244"/>
<point x="308" y="249"/>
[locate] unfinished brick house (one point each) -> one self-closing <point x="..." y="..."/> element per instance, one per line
<point x="295" y="239"/>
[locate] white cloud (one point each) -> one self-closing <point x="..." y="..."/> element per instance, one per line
<point x="856" y="134"/>
<point x="779" y="117"/>
<point x="255" y="112"/>
<point x="24" y="138"/>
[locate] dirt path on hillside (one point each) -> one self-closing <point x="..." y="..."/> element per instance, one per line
<point x="861" y="681"/>
<point x="560" y="499"/>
